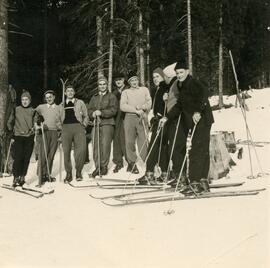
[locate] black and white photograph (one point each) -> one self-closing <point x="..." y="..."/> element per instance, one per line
<point x="134" y="133"/>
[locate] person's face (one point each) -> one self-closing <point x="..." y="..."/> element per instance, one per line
<point x="134" y="82"/>
<point x="102" y="86"/>
<point x="167" y="79"/>
<point x="181" y="74"/>
<point x="49" y="98"/>
<point x="119" y="82"/>
<point x="157" y="78"/>
<point x="25" y="102"/>
<point x="70" y="93"/>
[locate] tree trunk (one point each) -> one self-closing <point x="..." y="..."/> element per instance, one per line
<point x="148" y="57"/>
<point x="99" y="46"/>
<point x="111" y="50"/>
<point x="220" y="59"/>
<point x="3" y="74"/>
<point x="142" y="69"/>
<point x="45" y="55"/>
<point x="190" y="66"/>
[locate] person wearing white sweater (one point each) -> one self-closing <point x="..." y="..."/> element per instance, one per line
<point x="136" y="103"/>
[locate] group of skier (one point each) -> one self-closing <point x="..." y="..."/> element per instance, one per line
<point x="179" y="126"/>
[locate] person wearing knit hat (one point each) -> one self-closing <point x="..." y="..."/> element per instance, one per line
<point x="49" y="119"/>
<point x="74" y="120"/>
<point x="132" y="76"/>
<point x="193" y="110"/>
<point x="103" y="78"/>
<point x="119" y="144"/>
<point x="158" y="157"/>
<point x="102" y="109"/>
<point x="23" y="138"/>
<point x="136" y="103"/>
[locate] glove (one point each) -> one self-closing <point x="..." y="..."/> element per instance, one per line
<point x="153" y="120"/>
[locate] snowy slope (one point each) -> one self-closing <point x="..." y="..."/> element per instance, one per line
<point x="69" y="229"/>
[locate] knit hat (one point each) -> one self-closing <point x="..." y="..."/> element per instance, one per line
<point x="118" y="76"/>
<point x="26" y="94"/>
<point x="181" y="64"/>
<point x="49" y="92"/>
<point x="132" y="75"/>
<point x="169" y="70"/>
<point x="159" y="71"/>
<point x="103" y="78"/>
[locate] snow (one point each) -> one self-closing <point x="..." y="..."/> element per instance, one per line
<point x="70" y="229"/>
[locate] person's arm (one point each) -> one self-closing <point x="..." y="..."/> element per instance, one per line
<point x="112" y="108"/>
<point x="85" y="116"/>
<point x="175" y="111"/>
<point x="148" y="101"/>
<point x="124" y="105"/>
<point x="200" y="96"/>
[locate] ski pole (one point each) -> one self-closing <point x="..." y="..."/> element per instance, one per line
<point x="45" y="151"/>
<point x="170" y="210"/>
<point x="98" y="121"/>
<point x="60" y="160"/>
<point x="173" y="145"/>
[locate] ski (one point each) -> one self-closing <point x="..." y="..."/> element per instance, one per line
<point x="223" y="185"/>
<point x="220" y="185"/>
<point x="124" y="194"/>
<point x="111" y="180"/>
<point x="41" y="191"/>
<point x="20" y="190"/>
<point x="119" y="203"/>
<point x="172" y="194"/>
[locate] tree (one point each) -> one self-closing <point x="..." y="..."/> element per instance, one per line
<point x="3" y="71"/>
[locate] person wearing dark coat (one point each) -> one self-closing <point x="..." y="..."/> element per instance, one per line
<point x="194" y="108"/>
<point x="119" y="145"/>
<point x="102" y="109"/>
<point x="159" y="152"/>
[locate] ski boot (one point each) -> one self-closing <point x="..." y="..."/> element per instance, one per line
<point x="79" y="176"/>
<point x="147" y="179"/>
<point x="21" y="181"/>
<point x="68" y="177"/>
<point x="103" y="171"/>
<point x="15" y="182"/>
<point x="205" y="185"/>
<point x="117" y="168"/>
<point x="162" y="178"/>
<point x="194" y="188"/>
<point x="132" y="167"/>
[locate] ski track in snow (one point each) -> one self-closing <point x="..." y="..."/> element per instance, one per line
<point x="70" y="229"/>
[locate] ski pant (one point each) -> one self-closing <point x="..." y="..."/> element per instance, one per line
<point x="119" y="145"/>
<point x="51" y="142"/>
<point x="159" y="152"/>
<point x="199" y="159"/>
<point x="105" y="140"/>
<point x="74" y="134"/>
<point x="22" y="148"/>
<point x="134" y="129"/>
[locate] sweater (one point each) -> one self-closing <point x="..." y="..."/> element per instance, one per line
<point x="134" y="98"/>
<point x="24" y="121"/>
<point x="51" y="115"/>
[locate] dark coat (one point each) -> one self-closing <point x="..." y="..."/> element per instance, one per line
<point x="157" y="98"/>
<point x="193" y="97"/>
<point x="120" y="114"/>
<point x="108" y="106"/>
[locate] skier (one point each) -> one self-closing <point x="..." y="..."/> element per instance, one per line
<point x="49" y="116"/>
<point x="194" y="108"/>
<point x="136" y="103"/>
<point x="119" y="146"/>
<point x="23" y="138"/>
<point x="102" y="109"/>
<point x="159" y="151"/>
<point x="74" y="119"/>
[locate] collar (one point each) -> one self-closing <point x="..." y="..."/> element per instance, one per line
<point x="67" y="100"/>
<point x="51" y="105"/>
<point x="102" y="93"/>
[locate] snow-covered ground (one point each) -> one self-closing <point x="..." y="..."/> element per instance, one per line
<point x="70" y="229"/>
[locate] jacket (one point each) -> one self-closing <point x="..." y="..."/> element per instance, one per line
<point x="193" y="97"/>
<point x="80" y="112"/>
<point x="107" y="104"/>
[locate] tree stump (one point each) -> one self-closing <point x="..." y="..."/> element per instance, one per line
<point x="229" y="139"/>
<point x="220" y="159"/>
